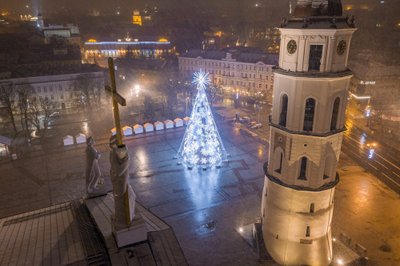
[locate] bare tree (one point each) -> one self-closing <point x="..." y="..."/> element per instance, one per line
<point x="24" y="93"/>
<point x="89" y="90"/>
<point x="7" y="98"/>
<point x="97" y="92"/>
<point x="35" y="114"/>
<point x="149" y="109"/>
<point x="40" y="114"/>
<point x="47" y="109"/>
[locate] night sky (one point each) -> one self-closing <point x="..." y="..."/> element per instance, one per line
<point x="102" y="5"/>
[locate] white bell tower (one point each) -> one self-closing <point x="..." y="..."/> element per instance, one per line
<point x="307" y="124"/>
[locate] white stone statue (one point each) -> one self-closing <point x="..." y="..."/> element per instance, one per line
<point x="124" y="196"/>
<point x="94" y="181"/>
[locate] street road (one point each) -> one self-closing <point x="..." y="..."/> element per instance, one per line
<point x="377" y="158"/>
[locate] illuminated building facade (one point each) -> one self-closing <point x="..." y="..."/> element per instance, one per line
<point x="307" y="123"/>
<point x="249" y="74"/>
<point x="136" y="18"/>
<point x="95" y="51"/>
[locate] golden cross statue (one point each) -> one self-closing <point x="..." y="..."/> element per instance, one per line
<point x="116" y="99"/>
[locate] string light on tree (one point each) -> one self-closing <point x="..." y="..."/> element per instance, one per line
<point x="202" y="144"/>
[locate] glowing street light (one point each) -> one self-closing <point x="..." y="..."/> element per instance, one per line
<point x="137" y="90"/>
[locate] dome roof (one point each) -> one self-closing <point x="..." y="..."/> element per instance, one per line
<point x="308" y="8"/>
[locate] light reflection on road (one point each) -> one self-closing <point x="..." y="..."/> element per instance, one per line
<point x="142" y="155"/>
<point x="363" y="138"/>
<point x="203" y="187"/>
<point x="371" y="153"/>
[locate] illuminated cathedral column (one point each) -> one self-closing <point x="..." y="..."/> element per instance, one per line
<point x="307" y="124"/>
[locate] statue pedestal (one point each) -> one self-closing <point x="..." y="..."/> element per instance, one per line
<point x="153" y="243"/>
<point x="102" y="189"/>
<point x="102" y="211"/>
<point x="133" y="234"/>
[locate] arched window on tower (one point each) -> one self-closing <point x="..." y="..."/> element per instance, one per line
<point x="303" y="168"/>
<point x="335" y="114"/>
<point x="312" y="207"/>
<point x="280" y="163"/>
<point x="329" y="166"/>
<point x="309" y="115"/>
<point x="284" y="109"/>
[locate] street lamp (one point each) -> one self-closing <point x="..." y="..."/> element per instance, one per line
<point x="136" y="90"/>
<point x="186" y="105"/>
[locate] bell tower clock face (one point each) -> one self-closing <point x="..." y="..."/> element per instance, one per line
<point x="292" y="46"/>
<point x="341" y="48"/>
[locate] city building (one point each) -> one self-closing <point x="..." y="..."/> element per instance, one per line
<point x="136" y="18"/>
<point x="234" y="70"/>
<point x="267" y="38"/>
<point x="376" y="80"/>
<point x="307" y="124"/>
<point x="69" y="32"/>
<point x="98" y="52"/>
<point x="65" y="91"/>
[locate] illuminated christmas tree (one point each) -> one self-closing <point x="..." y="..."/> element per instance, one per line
<point x="202" y="144"/>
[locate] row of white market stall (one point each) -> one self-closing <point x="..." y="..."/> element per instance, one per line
<point x="149" y="127"/>
<point x="136" y="129"/>
<point x="70" y="140"/>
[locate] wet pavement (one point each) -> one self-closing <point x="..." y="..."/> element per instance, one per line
<point x="205" y="208"/>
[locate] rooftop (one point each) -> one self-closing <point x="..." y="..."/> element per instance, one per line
<point x="234" y="55"/>
<point x="46" y="69"/>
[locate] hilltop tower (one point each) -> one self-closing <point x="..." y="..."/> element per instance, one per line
<point x="307" y="124"/>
